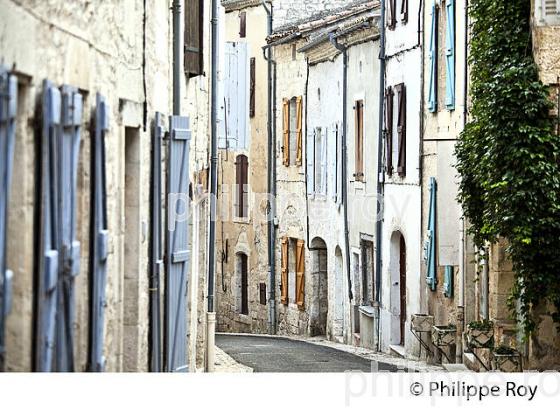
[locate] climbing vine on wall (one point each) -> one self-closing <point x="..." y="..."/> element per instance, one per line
<point x="508" y="155"/>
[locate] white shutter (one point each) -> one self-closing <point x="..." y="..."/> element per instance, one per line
<point x="549" y="12"/>
<point x="324" y="143"/>
<point x="332" y="163"/>
<point x="339" y="162"/>
<point x="309" y="157"/>
<point x="242" y="95"/>
<point x="230" y="83"/>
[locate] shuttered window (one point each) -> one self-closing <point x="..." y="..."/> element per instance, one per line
<point x="389" y="129"/>
<point x="252" y="74"/>
<point x="404" y="11"/>
<point x="286" y="133"/>
<point x="300" y="274"/>
<point x="236" y="97"/>
<point x="320" y="161"/>
<point x="241" y="195"/>
<point x="401" y="129"/>
<point x="284" y="277"/>
<point x="450" y="54"/>
<point x="433" y="56"/>
<point x="299" y="130"/>
<point x="292" y="143"/>
<point x="391" y="14"/>
<point x="359" y="143"/>
<point x="194" y="25"/>
<point x="242" y="24"/>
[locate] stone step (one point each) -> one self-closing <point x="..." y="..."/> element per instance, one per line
<point x="397" y="350"/>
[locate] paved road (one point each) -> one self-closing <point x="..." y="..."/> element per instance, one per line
<point x="270" y="354"/>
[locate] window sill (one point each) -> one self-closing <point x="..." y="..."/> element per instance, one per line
<point x="244" y="221"/>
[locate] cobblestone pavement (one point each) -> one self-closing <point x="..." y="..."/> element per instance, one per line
<point x="278" y="354"/>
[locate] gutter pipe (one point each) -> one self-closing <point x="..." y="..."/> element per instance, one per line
<point x="176" y="57"/>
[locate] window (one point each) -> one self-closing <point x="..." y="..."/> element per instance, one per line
<point x="292" y="284"/>
<point x="292" y="110"/>
<point x="547" y="12"/>
<point x="242" y="188"/>
<point x="368" y="283"/>
<point x="359" y="144"/>
<point x="320" y="161"/>
<point x="395" y="129"/>
<point x="194" y="23"/>
<point x="242" y="284"/>
<point x="404" y="11"/>
<point x="242" y="24"/>
<point x="395" y="7"/>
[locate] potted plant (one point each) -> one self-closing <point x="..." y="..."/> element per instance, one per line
<point x="422" y="322"/>
<point x="507" y="359"/>
<point x="480" y="334"/>
<point x="444" y="335"/>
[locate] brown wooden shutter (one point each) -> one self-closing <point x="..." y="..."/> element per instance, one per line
<point x="359" y="136"/>
<point x="194" y="24"/>
<point x="284" y="278"/>
<point x="389" y="129"/>
<point x="252" y="89"/>
<point x="286" y="147"/>
<point x="404" y="11"/>
<point x="401" y="129"/>
<point x="242" y="24"/>
<point x="392" y="14"/>
<point x="241" y="175"/>
<point x="300" y="273"/>
<point x="299" y="118"/>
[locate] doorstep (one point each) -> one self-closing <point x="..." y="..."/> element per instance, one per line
<point x="397" y="350"/>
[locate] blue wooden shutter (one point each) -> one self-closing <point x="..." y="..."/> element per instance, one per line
<point x="431" y="240"/>
<point x="8" y="108"/>
<point x="309" y="157"/>
<point x="450" y="55"/>
<point x="68" y="146"/>
<point x="49" y="242"/>
<point x="156" y="248"/>
<point x="177" y="253"/>
<point x="99" y="239"/>
<point x="448" y="282"/>
<point x="433" y="56"/>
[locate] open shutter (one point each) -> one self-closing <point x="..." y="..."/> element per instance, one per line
<point x="324" y="176"/>
<point x="404" y="10"/>
<point x="156" y="245"/>
<point x="450" y="54"/>
<point x="389" y="129"/>
<point x="241" y="176"/>
<point x="49" y="243"/>
<point x="299" y="120"/>
<point x="252" y="87"/>
<point x="392" y="14"/>
<point x="433" y="56"/>
<point x="284" y="278"/>
<point x="300" y="273"/>
<point x="68" y="147"/>
<point x="310" y="159"/>
<point x="231" y="114"/>
<point x="242" y="24"/>
<point x="8" y="108"/>
<point x="177" y="252"/>
<point x="242" y="95"/>
<point x="332" y="154"/>
<point x="286" y="140"/>
<point x="401" y="129"/>
<point x="431" y="242"/>
<point x="549" y="12"/>
<point x="339" y="164"/>
<point x="359" y="138"/>
<point x="194" y="25"/>
<point x="99" y="239"/>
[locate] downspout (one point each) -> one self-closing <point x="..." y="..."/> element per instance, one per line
<point x="177" y="57"/>
<point x="344" y="51"/>
<point x="381" y="175"/>
<point x="271" y="179"/>
<point x="211" y="314"/>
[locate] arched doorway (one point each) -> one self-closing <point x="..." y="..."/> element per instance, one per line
<point x="338" y="319"/>
<point x="320" y="288"/>
<point x="242" y="279"/>
<point x="397" y="269"/>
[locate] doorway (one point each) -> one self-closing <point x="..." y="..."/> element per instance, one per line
<point x="243" y="281"/>
<point x="320" y="304"/>
<point x="398" y="289"/>
<point x="338" y="325"/>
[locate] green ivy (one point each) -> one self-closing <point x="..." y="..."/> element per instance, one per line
<point x="508" y="155"/>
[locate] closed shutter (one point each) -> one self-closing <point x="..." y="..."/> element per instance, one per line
<point x="156" y="245"/>
<point x="433" y="56"/>
<point x="310" y="160"/>
<point x="241" y="176"/>
<point x="8" y="111"/>
<point x="549" y="12"/>
<point x="300" y="274"/>
<point x="332" y="154"/>
<point x="401" y="129"/>
<point x="286" y="140"/>
<point x="252" y="87"/>
<point x="194" y="24"/>
<point x="359" y="140"/>
<point x="389" y="129"/>
<point x="392" y="14"/>
<point x="99" y="239"/>
<point x="323" y="153"/>
<point x="177" y="243"/>
<point x="299" y="120"/>
<point x="450" y="55"/>
<point x="339" y="163"/>
<point x="431" y="240"/>
<point x="242" y="95"/>
<point x="242" y="24"/>
<point x="404" y="11"/>
<point x="284" y="277"/>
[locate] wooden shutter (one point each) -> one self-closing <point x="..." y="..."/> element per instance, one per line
<point x="286" y="147"/>
<point x="242" y="24"/>
<point x="299" y="120"/>
<point x="401" y="130"/>
<point x="389" y="129"/>
<point x="284" y="278"/>
<point x="392" y="14"/>
<point x="359" y="135"/>
<point x="194" y="17"/>
<point x="300" y="273"/>
<point x="450" y="55"/>
<point x="241" y="176"/>
<point x="404" y="11"/>
<point x="323" y="153"/>
<point x="433" y="56"/>
<point x="252" y="90"/>
<point x="310" y="161"/>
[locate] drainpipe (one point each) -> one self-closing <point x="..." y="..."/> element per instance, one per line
<point x="271" y="167"/>
<point x="211" y="314"/>
<point x="344" y="50"/>
<point x="484" y="263"/>
<point x="177" y="57"/>
<point x="381" y="174"/>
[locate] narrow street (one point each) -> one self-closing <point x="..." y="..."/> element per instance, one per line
<point x="273" y="354"/>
